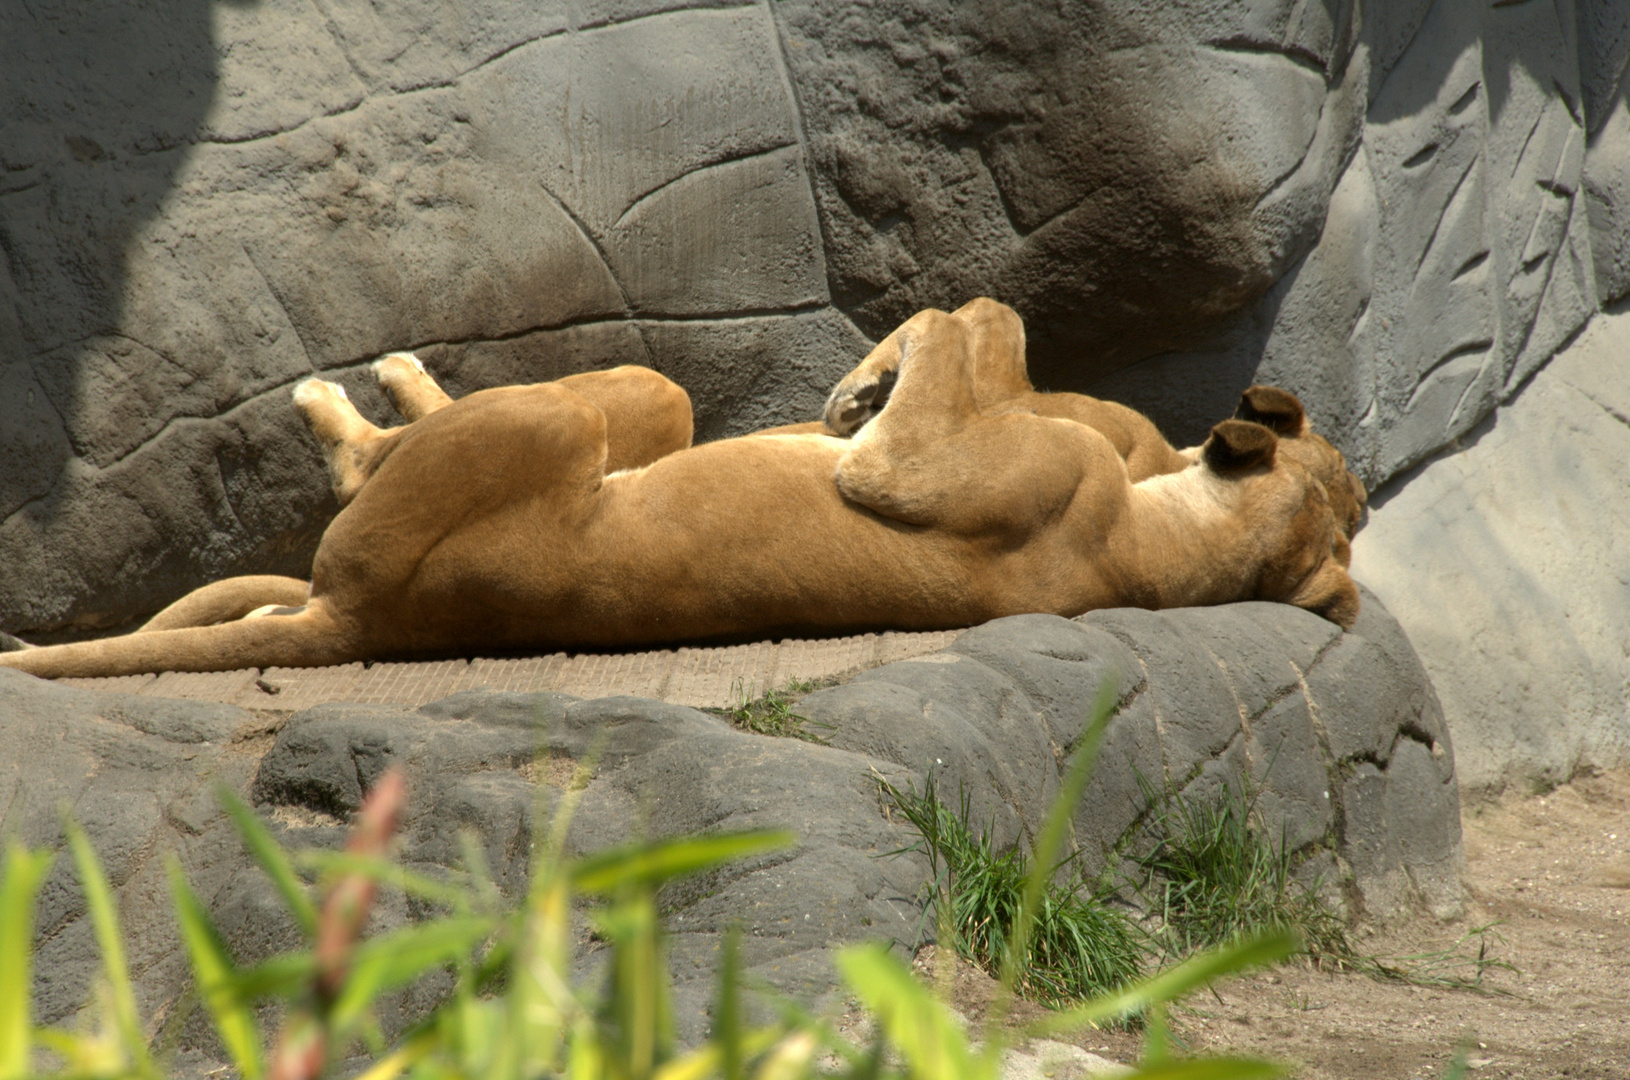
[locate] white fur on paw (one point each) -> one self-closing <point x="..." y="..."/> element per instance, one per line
<point x="409" y="357"/>
<point x="309" y="390"/>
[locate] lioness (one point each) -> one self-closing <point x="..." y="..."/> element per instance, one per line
<point x="1002" y="381"/>
<point x="493" y="523"/>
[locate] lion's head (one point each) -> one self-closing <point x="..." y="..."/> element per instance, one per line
<point x="1296" y="529"/>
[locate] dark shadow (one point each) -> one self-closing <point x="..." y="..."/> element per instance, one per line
<point x="1185" y="393"/>
<point x="103" y="102"/>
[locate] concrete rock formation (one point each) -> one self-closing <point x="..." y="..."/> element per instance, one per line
<point x="1342" y="733"/>
<point x="1400" y="216"/>
<point x="1508" y="561"/>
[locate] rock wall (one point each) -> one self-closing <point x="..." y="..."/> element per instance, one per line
<point x="1399" y="213"/>
<point x="255" y="192"/>
<point x="1340" y="732"/>
<point x="1461" y="242"/>
<point x="1508" y="560"/>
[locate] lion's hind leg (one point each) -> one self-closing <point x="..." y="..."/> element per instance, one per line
<point x="648" y="416"/>
<point x="351" y="445"/>
<point x="410" y="388"/>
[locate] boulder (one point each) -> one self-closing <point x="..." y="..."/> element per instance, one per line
<point x="1339" y="737"/>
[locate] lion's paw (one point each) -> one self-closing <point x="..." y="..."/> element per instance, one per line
<point x="397" y="365"/>
<point x="394" y="371"/>
<point x="860" y="396"/>
<point x="311" y="391"/>
<point x="408" y="386"/>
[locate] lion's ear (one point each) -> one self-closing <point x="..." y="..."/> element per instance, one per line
<point x="1238" y="445"/>
<point x="1278" y="410"/>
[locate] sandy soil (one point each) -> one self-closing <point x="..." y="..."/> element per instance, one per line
<point x="1550" y="874"/>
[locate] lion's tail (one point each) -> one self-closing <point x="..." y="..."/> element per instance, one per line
<point x="228" y="599"/>
<point x="310" y="638"/>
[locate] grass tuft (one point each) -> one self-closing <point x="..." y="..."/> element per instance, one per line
<point x="1454" y="968"/>
<point x="1214" y="877"/>
<point x="1078" y="947"/>
<point x="772" y="713"/>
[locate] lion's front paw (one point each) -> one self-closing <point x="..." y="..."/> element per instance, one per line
<point x="860" y="396"/>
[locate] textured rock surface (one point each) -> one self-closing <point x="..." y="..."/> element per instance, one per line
<point x="1341" y="732"/>
<point x="1457" y="254"/>
<point x="257" y="192"/>
<point x="1508" y="563"/>
<point x="139" y="776"/>
<point x="1383" y="213"/>
<point x="1124" y="174"/>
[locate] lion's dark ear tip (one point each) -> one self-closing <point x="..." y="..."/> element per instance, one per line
<point x="1237" y="445"/>
<point x="1273" y="408"/>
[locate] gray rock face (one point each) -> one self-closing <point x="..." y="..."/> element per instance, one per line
<point x="1125" y="175"/>
<point x="1457" y="253"/>
<point x="1383" y="213"/>
<point x="1508" y="563"/>
<point x="1340" y="732"/>
<point x="139" y="775"/>
<point x="1246" y="695"/>
<point x="250" y="199"/>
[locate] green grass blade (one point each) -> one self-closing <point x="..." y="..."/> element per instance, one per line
<point x="1173" y="983"/>
<point x="918" y="1025"/>
<point x="1056" y="828"/>
<point x="281" y="976"/>
<point x="99" y="899"/>
<point x="727" y="1013"/>
<point x="1157" y="1037"/>
<point x="214" y="973"/>
<point x="1218" y="1068"/>
<point x="25" y="870"/>
<point x="386" y="872"/>
<point x="654" y="863"/>
<point x="401" y="956"/>
<point x="635" y="1021"/>
<point x="271" y="857"/>
<point x="706" y="1060"/>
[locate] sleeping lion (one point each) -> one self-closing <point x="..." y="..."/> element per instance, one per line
<point x="575" y="514"/>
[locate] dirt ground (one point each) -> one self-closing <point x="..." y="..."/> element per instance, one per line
<point x="1550" y="875"/>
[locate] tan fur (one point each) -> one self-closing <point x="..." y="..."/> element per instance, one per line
<point x="655" y="416"/>
<point x="491" y="523"/>
<point x="233" y="598"/>
<point x="1002" y="383"/>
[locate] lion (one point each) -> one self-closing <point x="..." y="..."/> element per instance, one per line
<point x="1003" y="380"/>
<point x="497" y="523"/>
